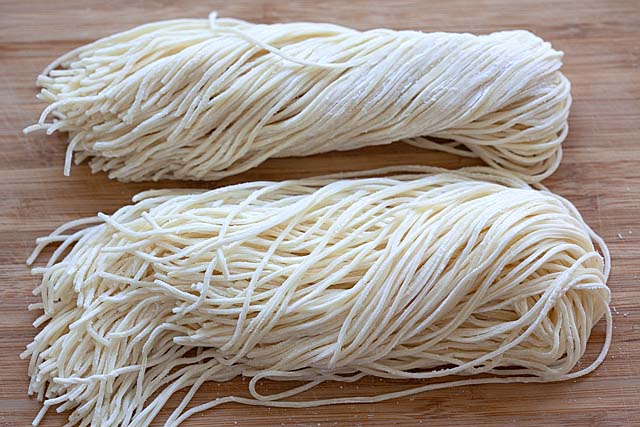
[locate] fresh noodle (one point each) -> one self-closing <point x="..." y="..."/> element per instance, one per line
<point x="413" y="273"/>
<point x="204" y="99"/>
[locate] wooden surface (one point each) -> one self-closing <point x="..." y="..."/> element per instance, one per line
<point x="600" y="173"/>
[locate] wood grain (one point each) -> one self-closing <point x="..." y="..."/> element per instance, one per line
<point x="600" y="174"/>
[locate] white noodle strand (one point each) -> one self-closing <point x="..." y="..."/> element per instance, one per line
<point x="412" y="272"/>
<point x="204" y="99"/>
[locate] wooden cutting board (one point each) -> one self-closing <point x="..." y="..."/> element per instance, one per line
<point x="600" y="173"/>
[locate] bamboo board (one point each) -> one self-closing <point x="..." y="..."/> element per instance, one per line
<point x="600" y="174"/>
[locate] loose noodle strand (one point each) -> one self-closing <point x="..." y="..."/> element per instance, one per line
<point x="412" y="273"/>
